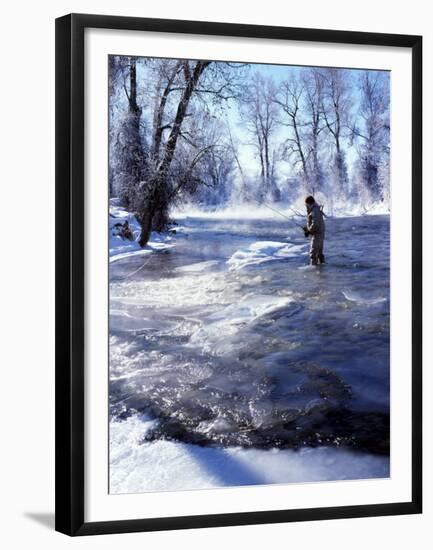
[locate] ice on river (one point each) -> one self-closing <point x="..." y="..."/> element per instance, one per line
<point x="199" y="266"/>
<point x="263" y="251"/>
<point x="231" y="365"/>
<point x="228" y="321"/>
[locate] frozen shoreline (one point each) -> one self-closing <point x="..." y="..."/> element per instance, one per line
<point x="138" y="466"/>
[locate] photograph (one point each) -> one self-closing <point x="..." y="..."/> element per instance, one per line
<point x="248" y="230"/>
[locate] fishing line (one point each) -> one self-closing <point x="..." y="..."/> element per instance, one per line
<point x="281" y="214"/>
<point x="266" y="205"/>
<point x="133" y="272"/>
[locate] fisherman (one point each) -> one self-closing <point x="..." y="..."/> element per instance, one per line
<point x="316" y="229"/>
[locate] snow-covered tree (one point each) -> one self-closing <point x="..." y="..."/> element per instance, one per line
<point x="336" y="106"/>
<point x="290" y="98"/>
<point x="259" y="114"/>
<point x="128" y="155"/>
<point x="157" y="144"/>
<point x="372" y="133"/>
<point x="314" y="125"/>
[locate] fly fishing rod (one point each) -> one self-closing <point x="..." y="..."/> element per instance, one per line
<point x="266" y="205"/>
<point x="281" y="214"/>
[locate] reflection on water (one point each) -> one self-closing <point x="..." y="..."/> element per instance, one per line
<point x="263" y="353"/>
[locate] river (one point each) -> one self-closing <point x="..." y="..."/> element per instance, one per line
<point x="228" y="341"/>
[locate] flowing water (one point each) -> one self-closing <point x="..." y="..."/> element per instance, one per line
<point x="229" y="339"/>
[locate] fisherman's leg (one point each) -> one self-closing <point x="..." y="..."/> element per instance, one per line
<point x="314" y="251"/>
<point x="321" y="255"/>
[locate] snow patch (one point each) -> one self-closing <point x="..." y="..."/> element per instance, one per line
<point x="198" y="267"/>
<point x="263" y="251"/>
<point x="138" y="466"/>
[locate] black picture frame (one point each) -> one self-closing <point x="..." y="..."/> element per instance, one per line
<point x="70" y="283"/>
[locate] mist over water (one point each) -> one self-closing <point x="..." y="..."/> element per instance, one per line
<point x="228" y="339"/>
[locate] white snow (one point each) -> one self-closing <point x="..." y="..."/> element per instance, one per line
<point x="263" y="251"/>
<point x="138" y="466"/>
<point x="197" y="267"/>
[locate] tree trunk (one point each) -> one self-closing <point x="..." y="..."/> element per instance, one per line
<point x="145" y="220"/>
<point x="160" y="219"/>
<point x="180" y="115"/>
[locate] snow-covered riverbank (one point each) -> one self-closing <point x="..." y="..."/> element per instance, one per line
<point x="122" y="248"/>
<point x="138" y="466"/>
